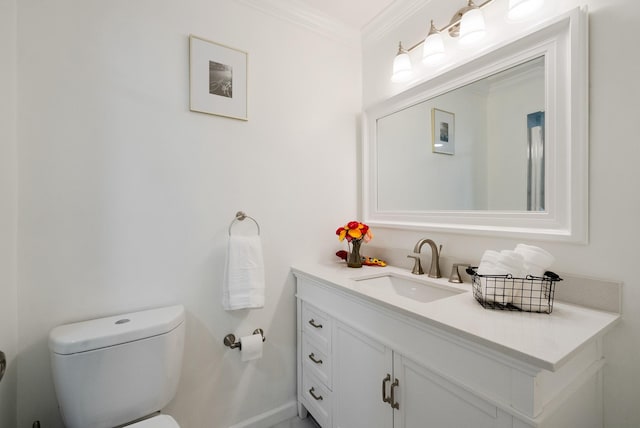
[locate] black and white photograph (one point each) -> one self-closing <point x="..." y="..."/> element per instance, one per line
<point x="444" y="132"/>
<point x="218" y="79"/>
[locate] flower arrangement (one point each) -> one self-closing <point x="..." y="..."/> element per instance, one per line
<point x="355" y="233"/>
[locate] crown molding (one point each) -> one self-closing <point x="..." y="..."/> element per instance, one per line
<point x="297" y="12"/>
<point x="390" y="18"/>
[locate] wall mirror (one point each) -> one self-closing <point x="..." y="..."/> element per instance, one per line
<point x="495" y="146"/>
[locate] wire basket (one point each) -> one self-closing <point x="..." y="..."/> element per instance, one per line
<point x="505" y="292"/>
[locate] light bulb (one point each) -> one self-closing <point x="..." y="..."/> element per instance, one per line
<point x="433" y="48"/>
<point x="401" y="66"/>
<point x="472" y="27"/>
<point x="519" y="9"/>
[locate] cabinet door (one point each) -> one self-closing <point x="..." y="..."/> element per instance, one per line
<point x="426" y="400"/>
<point x="360" y="366"/>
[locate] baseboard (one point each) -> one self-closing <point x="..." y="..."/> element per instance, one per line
<point x="271" y="417"/>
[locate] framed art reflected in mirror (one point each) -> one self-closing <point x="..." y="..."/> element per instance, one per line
<point x="443" y="132"/>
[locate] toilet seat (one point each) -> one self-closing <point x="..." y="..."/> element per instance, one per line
<point x="160" y="421"/>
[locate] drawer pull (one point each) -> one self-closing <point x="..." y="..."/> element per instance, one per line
<point x="3" y="364"/>
<point x="394" y="404"/>
<point x="385" y="399"/>
<point x="317" y="397"/>
<point x="313" y="323"/>
<point x="312" y="357"/>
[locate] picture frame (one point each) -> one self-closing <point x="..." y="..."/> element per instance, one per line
<point x="217" y="79"/>
<point x="443" y="132"/>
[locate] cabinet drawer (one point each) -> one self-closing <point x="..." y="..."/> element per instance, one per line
<point x="318" y="399"/>
<point x="317" y="326"/>
<point x="316" y="360"/>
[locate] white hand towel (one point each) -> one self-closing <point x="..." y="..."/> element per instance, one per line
<point x="244" y="283"/>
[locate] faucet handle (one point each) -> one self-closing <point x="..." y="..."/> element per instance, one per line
<point x="455" y="274"/>
<point x="417" y="266"/>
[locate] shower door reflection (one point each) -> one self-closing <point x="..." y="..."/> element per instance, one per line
<point x="535" y="164"/>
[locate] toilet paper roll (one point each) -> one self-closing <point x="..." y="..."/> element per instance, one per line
<point x="251" y="347"/>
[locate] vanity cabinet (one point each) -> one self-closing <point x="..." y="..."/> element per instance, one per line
<point x="375" y="387"/>
<point x="362" y="364"/>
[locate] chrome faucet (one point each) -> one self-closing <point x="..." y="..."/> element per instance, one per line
<point x="434" y="271"/>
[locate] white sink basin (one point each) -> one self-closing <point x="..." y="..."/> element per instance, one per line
<point x="390" y="285"/>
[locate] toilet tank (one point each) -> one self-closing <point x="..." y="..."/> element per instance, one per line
<point x="114" y="370"/>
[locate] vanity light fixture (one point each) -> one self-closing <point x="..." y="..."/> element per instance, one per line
<point x="467" y="23"/>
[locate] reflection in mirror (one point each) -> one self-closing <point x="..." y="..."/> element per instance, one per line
<point x="535" y="164"/>
<point x="478" y="147"/>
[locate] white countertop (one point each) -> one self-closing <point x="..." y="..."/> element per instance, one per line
<point x="543" y="340"/>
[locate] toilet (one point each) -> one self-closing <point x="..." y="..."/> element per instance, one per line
<point x="118" y="371"/>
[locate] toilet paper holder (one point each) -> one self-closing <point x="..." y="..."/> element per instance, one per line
<point x="230" y="339"/>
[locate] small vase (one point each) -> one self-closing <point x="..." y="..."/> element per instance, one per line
<point x="355" y="260"/>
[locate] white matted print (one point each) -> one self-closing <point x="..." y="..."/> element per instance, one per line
<point x="443" y="132"/>
<point x="218" y="79"/>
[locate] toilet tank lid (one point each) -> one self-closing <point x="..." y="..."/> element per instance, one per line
<point x="103" y="332"/>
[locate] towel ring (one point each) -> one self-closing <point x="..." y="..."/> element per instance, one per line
<point x="241" y="216"/>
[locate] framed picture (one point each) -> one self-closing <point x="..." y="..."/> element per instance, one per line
<point x="217" y="78"/>
<point x="443" y="132"/>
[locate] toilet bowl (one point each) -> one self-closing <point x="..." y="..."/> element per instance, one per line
<point x="160" y="421"/>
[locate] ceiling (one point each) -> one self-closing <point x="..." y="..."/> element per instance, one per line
<point x="354" y="13"/>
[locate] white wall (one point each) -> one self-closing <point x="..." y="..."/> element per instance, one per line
<point x="8" y="204"/>
<point x="126" y="195"/>
<point x="613" y="178"/>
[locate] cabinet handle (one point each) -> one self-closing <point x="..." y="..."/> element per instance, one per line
<point x="394" y="404"/>
<point x="317" y="397"/>
<point x="3" y="364"/>
<point x="312" y="357"/>
<point x="384" y="389"/>
<point x="313" y="323"/>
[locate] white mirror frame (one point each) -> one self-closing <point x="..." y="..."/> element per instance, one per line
<point x="563" y="42"/>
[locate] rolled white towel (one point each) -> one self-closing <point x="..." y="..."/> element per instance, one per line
<point x="513" y="262"/>
<point x="493" y="289"/>
<point x="531" y="296"/>
<point x="536" y="260"/>
<point x="487" y="263"/>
